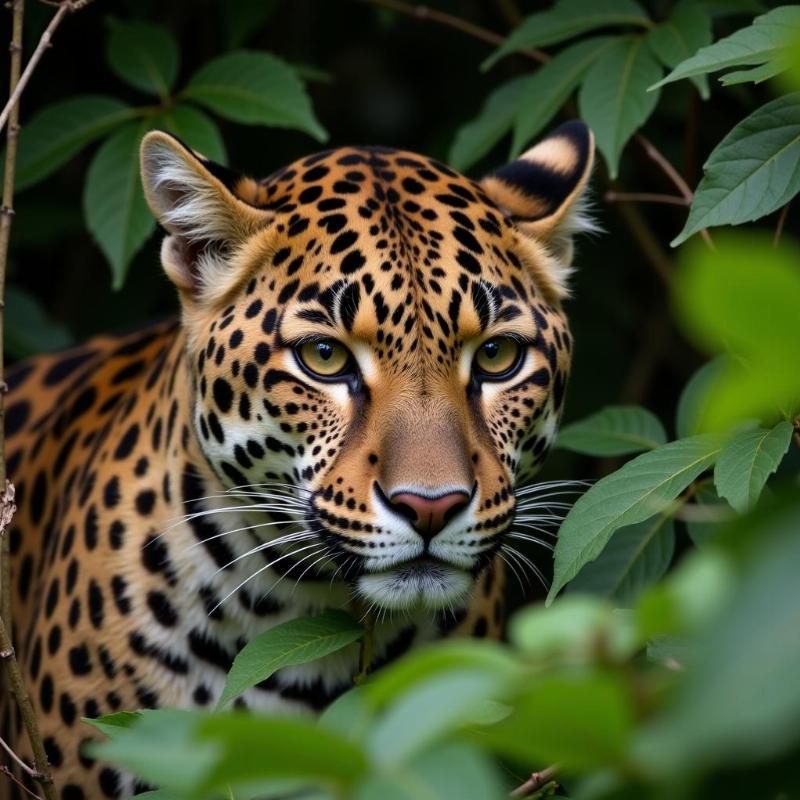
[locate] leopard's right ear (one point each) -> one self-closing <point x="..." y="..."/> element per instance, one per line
<point x="199" y="203"/>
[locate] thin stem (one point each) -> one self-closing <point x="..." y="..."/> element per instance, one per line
<point x="680" y="184"/>
<point x="4" y="770"/>
<point x="15" y="683"/>
<point x="781" y="222"/>
<point x="422" y="12"/>
<point x="644" y="197"/>
<point x="16" y="758"/>
<point x="536" y="781"/>
<point x="12" y="106"/>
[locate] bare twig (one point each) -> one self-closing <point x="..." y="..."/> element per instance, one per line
<point x="4" y="770"/>
<point x="25" y="767"/>
<point x="422" y="12"/>
<point x="781" y="222"/>
<point x="680" y="184"/>
<point x="644" y="197"/>
<point x="536" y="781"/>
<point x="19" y="86"/>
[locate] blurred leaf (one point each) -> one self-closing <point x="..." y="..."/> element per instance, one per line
<point x="693" y="400"/>
<point x="297" y="641"/>
<point x="143" y="54"/>
<point x="758" y="43"/>
<point x="571" y="629"/>
<point x="580" y="720"/>
<point x="255" y="89"/>
<point x="613" y="431"/>
<point x="453" y="770"/>
<point x="400" y="676"/>
<point x="61" y="130"/>
<point x="113" y="201"/>
<point x="194" y="128"/>
<point x="635" y="558"/>
<point x="643" y="487"/>
<point x="28" y="328"/>
<point x="676" y="651"/>
<point x="477" y="137"/>
<point x="550" y="87"/>
<point x="566" y="19"/>
<point x="197" y="753"/>
<point x="349" y="714"/>
<point x="429" y="711"/>
<point x="743" y="297"/>
<point x="752" y="171"/>
<point x="686" y="30"/>
<point x="111" y="724"/>
<point x="614" y="101"/>
<point x="243" y="18"/>
<point x="706" y="513"/>
<point x="747" y="460"/>
<point x="750" y="654"/>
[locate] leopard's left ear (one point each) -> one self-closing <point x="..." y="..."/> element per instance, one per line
<point x="544" y="193"/>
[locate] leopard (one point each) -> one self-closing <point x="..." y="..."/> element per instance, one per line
<point x="370" y="359"/>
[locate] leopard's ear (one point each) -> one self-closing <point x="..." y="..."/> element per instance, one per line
<point x="200" y="204"/>
<point x="544" y="193"/>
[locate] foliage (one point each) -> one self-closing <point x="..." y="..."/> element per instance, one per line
<point x="667" y="665"/>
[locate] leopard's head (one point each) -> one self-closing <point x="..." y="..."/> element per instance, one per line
<point x="383" y="335"/>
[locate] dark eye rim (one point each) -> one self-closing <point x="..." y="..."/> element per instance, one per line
<point x="497" y="377"/>
<point x="344" y="374"/>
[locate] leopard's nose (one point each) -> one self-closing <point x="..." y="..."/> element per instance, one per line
<point x="429" y="515"/>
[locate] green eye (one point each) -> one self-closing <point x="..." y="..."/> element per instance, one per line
<point x="324" y="357"/>
<point x="497" y="356"/>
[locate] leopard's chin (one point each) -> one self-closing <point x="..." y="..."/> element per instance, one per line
<point x="419" y="584"/>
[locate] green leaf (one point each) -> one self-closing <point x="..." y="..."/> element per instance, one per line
<point x="453" y="770"/>
<point x="753" y="171"/>
<point x="614" y="101"/>
<point x="297" y="641"/>
<point x="681" y="36"/>
<point x="743" y="298"/>
<point x="643" y="487"/>
<point x="757" y="74"/>
<point x="741" y="700"/>
<point x="111" y="724"/>
<point x="550" y="87"/>
<point x="580" y="720"/>
<point x="570" y="629"/>
<point x="566" y="19"/>
<point x="61" y="130"/>
<point x="613" y="431"/>
<point x="144" y="55"/>
<point x="255" y="89"/>
<point x="635" y="558"/>
<point x="758" y="43"/>
<point x="474" y="139"/>
<point x="243" y="18"/>
<point x="705" y="513"/>
<point x="441" y="658"/>
<point x="113" y="201"/>
<point x="29" y="329"/>
<point x="428" y="711"/>
<point x="196" y="129"/>
<point x="693" y="400"/>
<point x="747" y="460"/>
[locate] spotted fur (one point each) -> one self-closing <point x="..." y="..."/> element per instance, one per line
<point x="139" y="570"/>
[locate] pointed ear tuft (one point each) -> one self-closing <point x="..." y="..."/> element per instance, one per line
<point x="544" y="193"/>
<point x="196" y="201"/>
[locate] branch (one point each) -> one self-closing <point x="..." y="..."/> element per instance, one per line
<point x="4" y="770"/>
<point x="25" y="767"/>
<point x="19" y="85"/>
<point x="680" y="184"/>
<point x="644" y="197"/>
<point x="536" y="781"/>
<point x="781" y="222"/>
<point x="450" y="21"/>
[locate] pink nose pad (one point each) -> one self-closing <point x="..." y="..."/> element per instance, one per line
<point x="429" y="515"/>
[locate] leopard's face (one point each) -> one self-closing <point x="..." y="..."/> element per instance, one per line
<point x="385" y="341"/>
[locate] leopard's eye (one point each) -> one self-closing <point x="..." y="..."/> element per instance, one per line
<point x="324" y="357"/>
<point x="497" y="357"/>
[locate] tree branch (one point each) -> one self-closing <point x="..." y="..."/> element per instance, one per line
<point x="422" y="12"/>
<point x="536" y="781"/>
<point x="781" y="222"/>
<point x="612" y="196"/>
